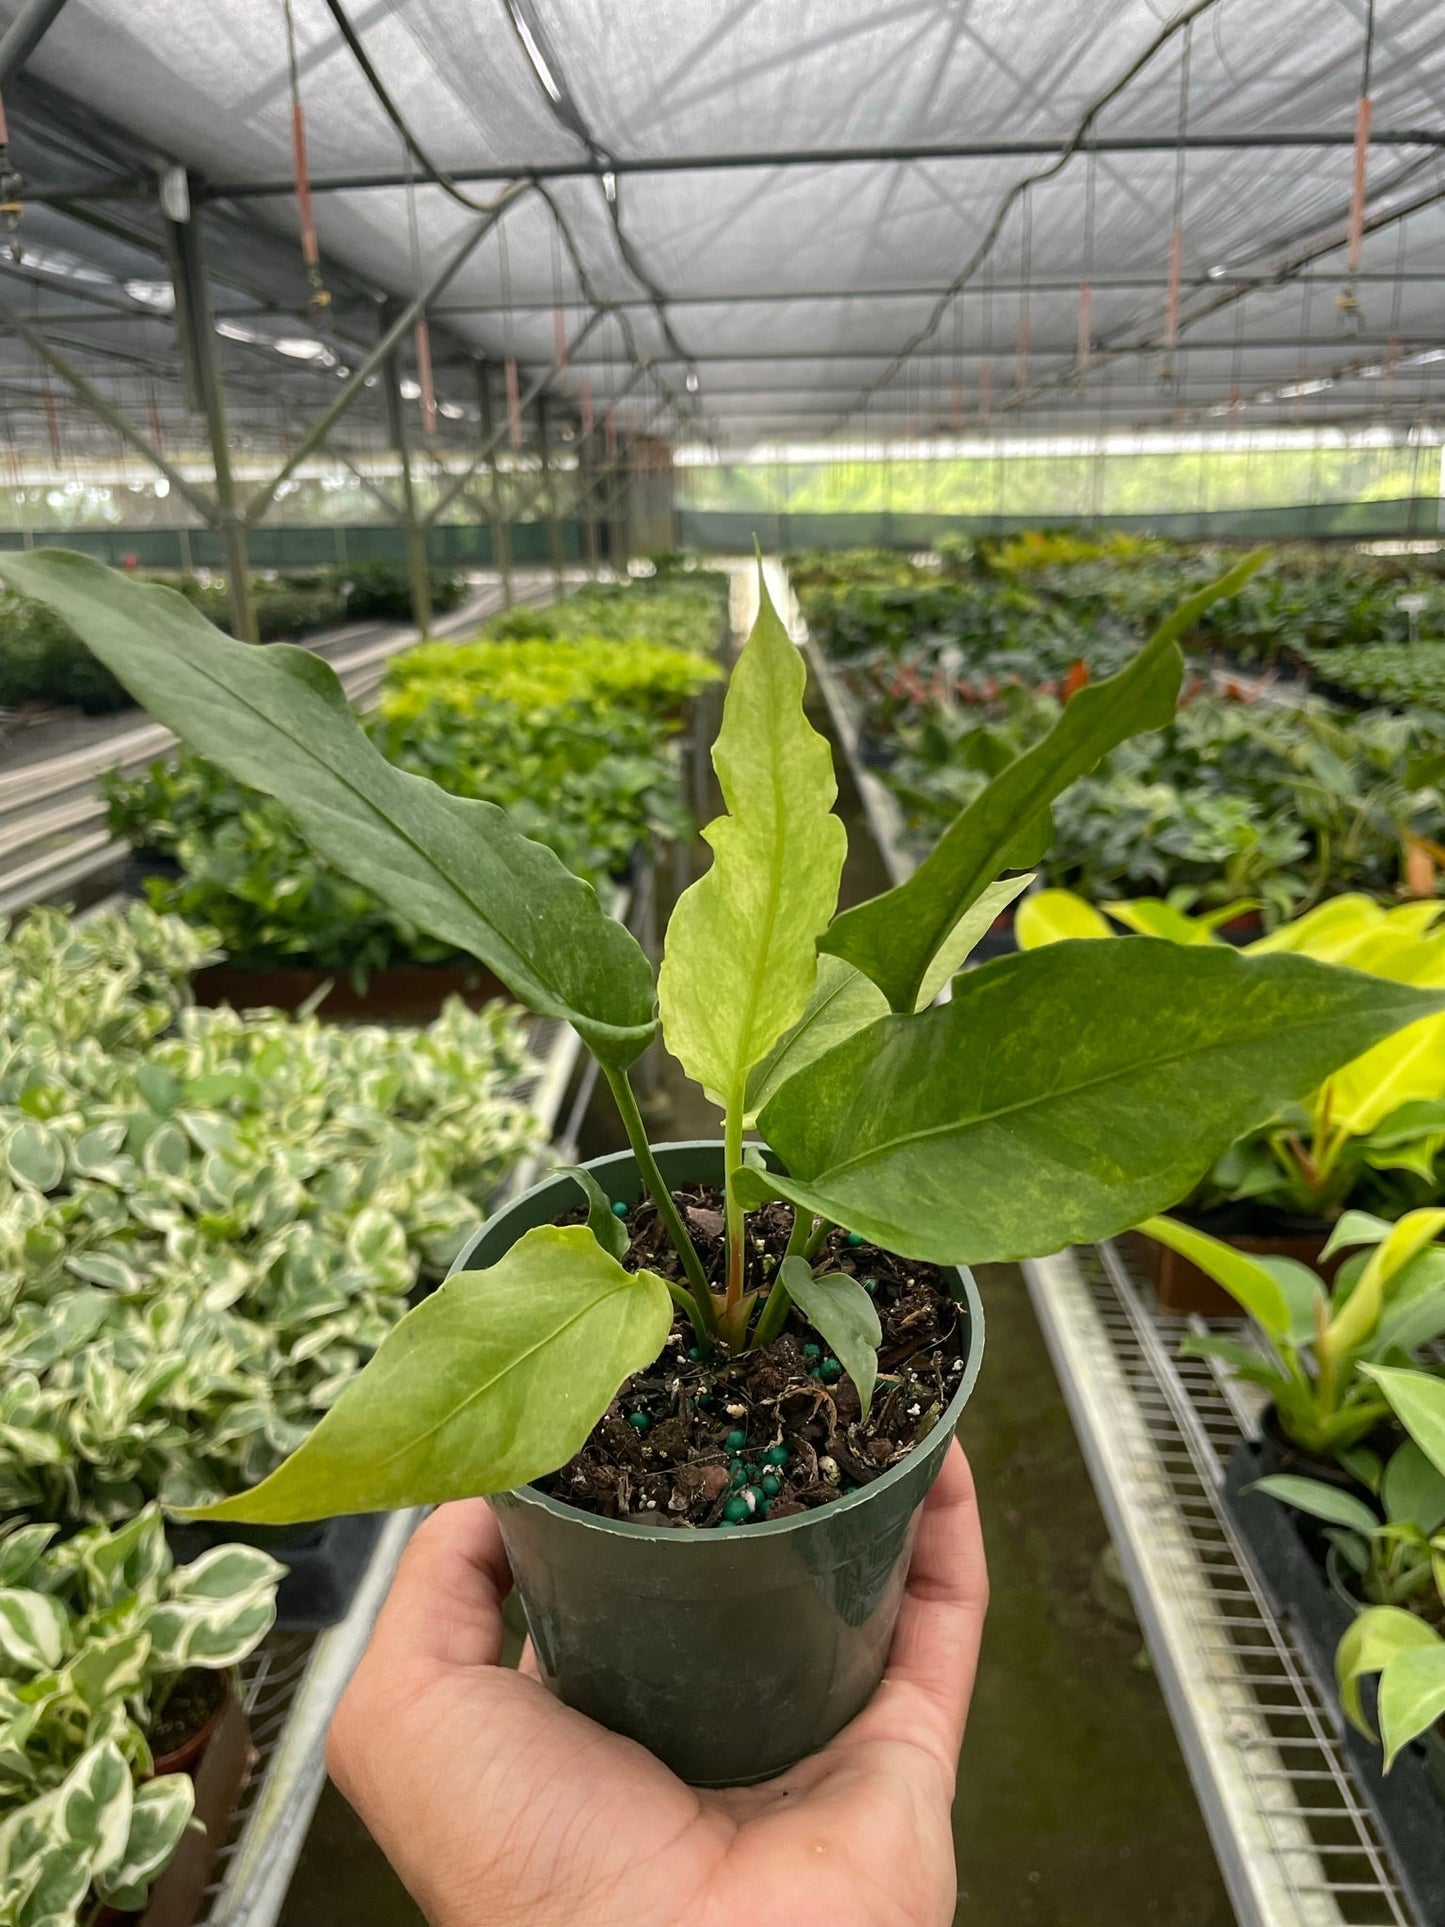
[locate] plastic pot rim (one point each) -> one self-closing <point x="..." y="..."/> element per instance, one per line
<point x="712" y="1539"/>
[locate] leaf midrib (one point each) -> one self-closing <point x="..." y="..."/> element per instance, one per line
<point x="418" y="1439"/>
<point x="923" y="1136"/>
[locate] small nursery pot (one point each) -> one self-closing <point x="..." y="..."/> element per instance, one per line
<point x="730" y="1655"/>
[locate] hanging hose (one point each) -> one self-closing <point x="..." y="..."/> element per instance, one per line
<point x="421" y="341"/>
<point x="318" y="296"/>
<point x="514" y="402"/>
<point x="1348" y="301"/>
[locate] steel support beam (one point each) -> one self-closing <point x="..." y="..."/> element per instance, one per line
<point x="355" y="383"/>
<point x="495" y="437"/>
<point x="24" y="35"/>
<point x="110" y="415"/>
<point x="549" y="483"/>
<point x="186" y="247"/>
<point x="859" y="156"/>
<point x="501" y="531"/>
<point x="418" y="563"/>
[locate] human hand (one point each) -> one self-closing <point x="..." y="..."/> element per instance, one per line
<point x="501" y="1807"/>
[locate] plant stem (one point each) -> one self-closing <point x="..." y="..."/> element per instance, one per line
<point x="732" y="1158"/>
<point x="774" y="1311"/>
<point x="817" y="1235"/>
<point x="676" y="1230"/>
<point x="802" y="1231"/>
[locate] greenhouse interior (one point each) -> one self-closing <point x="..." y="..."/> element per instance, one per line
<point x="582" y="582"/>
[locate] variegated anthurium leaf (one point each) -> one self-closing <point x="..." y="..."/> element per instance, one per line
<point x="741" y="956"/>
<point x="894" y="938"/>
<point x="1000" y="1126"/>
<point x="277" y="718"/>
<point x="158" y="1819"/>
<point x="492" y="1381"/>
<point x="843" y="1001"/>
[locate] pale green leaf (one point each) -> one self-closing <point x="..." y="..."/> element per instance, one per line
<point x="606" y="1227"/>
<point x="490" y="1382"/>
<point x="277" y="718"/>
<point x="843" y="1001"/>
<point x="36" y="1156"/>
<point x="1048" y="916"/>
<point x="1356" y="1228"/>
<point x="894" y="937"/>
<point x="33" y="1629"/>
<point x="1252" y="1285"/>
<point x="741" y="952"/>
<point x="1371" y="1641"/>
<point x="95" y="1806"/>
<point x="1152" y="917"/>
<point x="1412" y="1697"/>
<point x="158" y="1819"/>
<point x="1413" y="1490"/>
<point x="1418" y="1400"/>
<point x="838" y="1308"/>
<point x="970" y="930"/>
<point x="1000" y="1126"/>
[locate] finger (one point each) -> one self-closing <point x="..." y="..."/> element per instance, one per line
<point x="445" y="1603"/>
<point x="936" y="1642"/>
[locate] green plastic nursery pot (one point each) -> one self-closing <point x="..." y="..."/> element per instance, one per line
<point x="729" y="1655"/>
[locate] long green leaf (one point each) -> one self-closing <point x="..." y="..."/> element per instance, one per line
<point x="843" y="1001"/>
<point x="1252" y="1286"/>
<point x="1063" y="1094"/>
<point x="1371" y="1642"/>
<point x="1320" y="1501"/>
<point x="1412" y="1697"/>
<point x="838" y="1308"/>
<point x="1418" y="1400"/>
<point x="492" y="1381"/>
<point x="894" y="937"/>
<point x="742" y="959"/>
<point x="277" y="718"/>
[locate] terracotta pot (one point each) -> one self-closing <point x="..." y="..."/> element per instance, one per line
<point x="182" y="1758"/>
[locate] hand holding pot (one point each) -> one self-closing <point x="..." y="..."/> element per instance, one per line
<point x="500" y="1807"/>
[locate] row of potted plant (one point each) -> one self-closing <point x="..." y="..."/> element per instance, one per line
<point x="1341" y="1500"/>
<point x="709" y="1385"/>
<point x="208" y="1221"/>
<point x="1237" y="796"/>
<point x="42" y="660"/>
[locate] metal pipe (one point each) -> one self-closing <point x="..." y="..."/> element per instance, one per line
<point x="501" y="533"/>
<point x="860" y="156"/>
<point x="416" y="554"/>
<point x="356" y="381"/>
<point x="549" y="483"/>
<point x="110" y="415"/>
<point x="494" y="440"/>
<point x="193" y="317"/>
<point x="24" y="35"/>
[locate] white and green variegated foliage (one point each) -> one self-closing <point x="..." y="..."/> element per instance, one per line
<point x="207" y="1221"/>
<point x="93" y="1632"/>
<point x="1041" y="1104"/>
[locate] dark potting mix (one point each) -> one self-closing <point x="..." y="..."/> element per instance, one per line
<point x="764" y="1434"/>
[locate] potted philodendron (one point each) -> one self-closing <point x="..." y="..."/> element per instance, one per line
<point x="729" y="1366"/>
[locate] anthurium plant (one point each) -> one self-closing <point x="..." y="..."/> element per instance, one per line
<point x="1054" y="1097"/>
<point x="1325" y="1345"/>
<point x="1374" y="1132"/>
<point x="94" y="1634"/>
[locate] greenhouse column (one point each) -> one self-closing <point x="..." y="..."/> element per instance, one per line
<point x="416" y="551"/>
<point x="206" y="385"/>
<point x="587" y="499"/>
<point x="501" y="534"/>
<point x="549" y="477"/>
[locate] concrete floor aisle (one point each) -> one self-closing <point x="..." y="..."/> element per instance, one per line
<point x="1074" y="1808"/>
